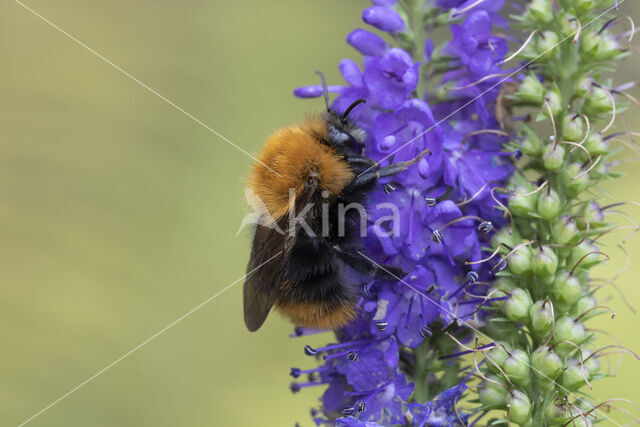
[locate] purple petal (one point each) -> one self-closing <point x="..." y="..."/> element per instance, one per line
<point x="351" y="72"/>
<point x="384" y="19"/>
<point x="315" y="91"/>
<point x="367" y="42"/>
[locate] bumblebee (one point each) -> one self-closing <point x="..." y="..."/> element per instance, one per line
<point x="305" y="267"/>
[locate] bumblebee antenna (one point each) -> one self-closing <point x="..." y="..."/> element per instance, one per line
<point x="325" y="89"/>
<point x="353" y="105"/>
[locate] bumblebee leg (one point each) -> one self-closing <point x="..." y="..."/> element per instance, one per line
<point x="362" y="182"/>
<point x="362" y="162"/>
<point x="367" y="268"/>
<point x="395" y="168"/>
<point x="367" y="179"/>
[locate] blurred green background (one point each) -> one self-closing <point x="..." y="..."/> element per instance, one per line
<point x="118" y="213"/>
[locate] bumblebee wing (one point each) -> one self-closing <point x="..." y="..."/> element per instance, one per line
<point x="264" y="276"/>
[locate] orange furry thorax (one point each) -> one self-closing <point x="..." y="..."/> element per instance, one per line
<point x="295" y="154"/>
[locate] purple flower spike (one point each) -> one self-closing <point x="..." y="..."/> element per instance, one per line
<point x="366" y="42"/>
<point x="369" y="371"/>
<point x="384" y="19"/>
<point x="440" y="412"/>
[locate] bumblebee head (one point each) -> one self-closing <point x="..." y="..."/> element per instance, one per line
<point x="342" y="132"/>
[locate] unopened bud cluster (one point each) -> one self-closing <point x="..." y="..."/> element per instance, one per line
<point x="541" y="356"/>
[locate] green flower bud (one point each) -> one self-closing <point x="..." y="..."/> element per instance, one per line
<point x="519" y="262"/>
<point x="516" y="366"/>
<point x="547" y="365"/>
<point x="549" y="204"/>
<point x="579" y="254"/>
<point x="547" y="42"/>
<point x="531" y="146"/>
<point x="518" y="305"/>
<point x="564" y="231"/>
<point x="584" y="304"/>
<point x="568" y="24"/>
<point x="566" y="290"/>
<point x="504" y="236"/>
<point x="596" y="144"/>
<point x="592" y="213"/>
<point x="592" y="365"/>
<point x="583" y="6"/>
<point x="575" y="178"/>
<point x="567" y="329"/>
<point x="520" y="407"/>
<point x="539" y="11"/>
<point x="599" y="46"/>
<point x="583" y="86"/>
<point x="504" y="284"/>
<point x="522" y="205"/>
<point x="530" y="91"/>
<point x="598" y="102"/>
<point x="541" y="314"/>
<point x="573" y="128"/>
<point x="544" y="263"/>
<point x="492" y="395"/>
<point x="554" y="99"/>
<point x="443" y="93"/>
<point x="553" y="157"/>
<point x="573" y="375"/>
<point x="556" y="414"/>
<point x="498" y="355"/>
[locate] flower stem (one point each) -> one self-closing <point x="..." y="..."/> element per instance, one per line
<point x="421" y="390"/>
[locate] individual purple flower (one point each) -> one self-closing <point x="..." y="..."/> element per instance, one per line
<point x="391" y="77"/>
<point x="475" y="45"/>
<point x="384" y="19"/>
<point x="441" y="411"/>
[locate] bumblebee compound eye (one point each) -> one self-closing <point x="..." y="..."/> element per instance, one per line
<point x="338" y="136"/>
